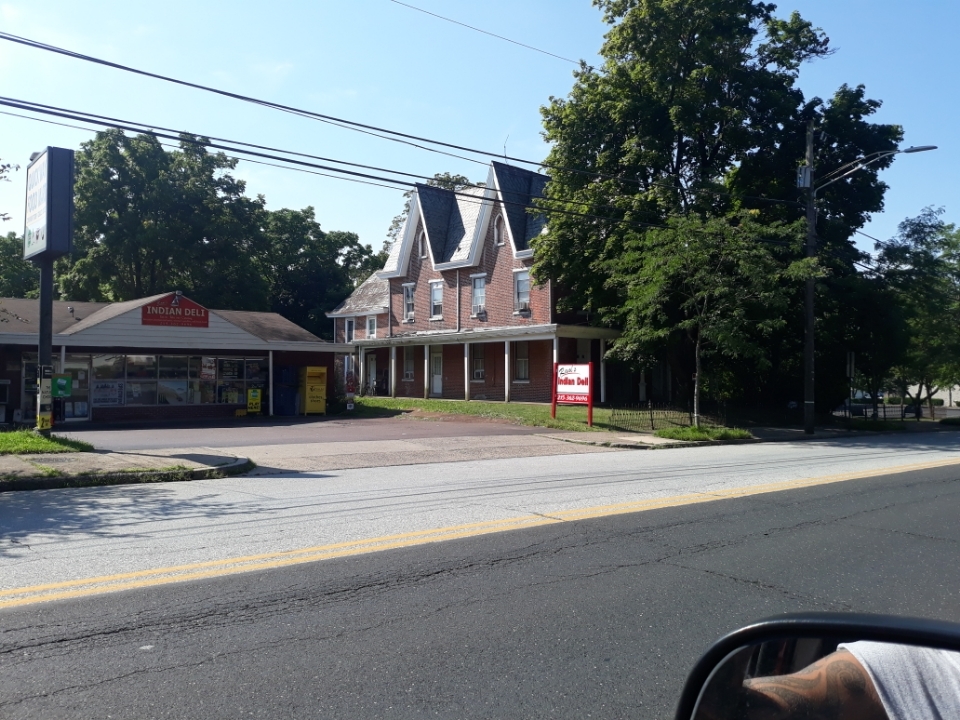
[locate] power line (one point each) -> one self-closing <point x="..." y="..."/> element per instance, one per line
<point x="485" y="32"/>
<point x="133" y="127"/>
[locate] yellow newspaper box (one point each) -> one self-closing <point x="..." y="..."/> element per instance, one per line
<point x="313" y="390"/>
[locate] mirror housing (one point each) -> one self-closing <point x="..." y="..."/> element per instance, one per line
<point x="830" y="626"/>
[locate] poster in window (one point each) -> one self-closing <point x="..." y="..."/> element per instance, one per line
<point x="79" y="409"/>
<point x="231" y="370"/>
<point x="104" y="393"/>
<point x="208" y="368"/>
<point x="172" y="392"/>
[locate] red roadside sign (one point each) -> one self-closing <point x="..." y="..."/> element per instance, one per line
<point x="175" y="310"/>
<point x="573" y="385"/>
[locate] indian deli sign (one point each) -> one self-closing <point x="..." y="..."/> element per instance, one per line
<point x="572" y="386"/>
<point x="174" y="310"/>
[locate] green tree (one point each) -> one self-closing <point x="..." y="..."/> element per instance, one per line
<point x="712" y="281"/>
<point x="310" y="271"/>
<point x="922" y="264"/>
<point x="150" y="221"/>
<point x="19" y="278"/>
<point x="444" y="180"/>
<point x="696" y="109"/>
<point x="5" y="169"/>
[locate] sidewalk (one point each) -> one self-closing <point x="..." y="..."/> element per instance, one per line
<point x="75" y="469"/>
<point x="100" y="467"/>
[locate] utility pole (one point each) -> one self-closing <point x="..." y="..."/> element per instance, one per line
<point x="808" y="387"/>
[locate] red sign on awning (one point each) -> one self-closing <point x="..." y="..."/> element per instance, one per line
<point x="176" y="311"/>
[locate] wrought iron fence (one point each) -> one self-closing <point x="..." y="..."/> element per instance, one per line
<point x="650" y="416"/>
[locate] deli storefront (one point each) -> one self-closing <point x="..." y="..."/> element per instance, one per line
<point x="162" y="357"/>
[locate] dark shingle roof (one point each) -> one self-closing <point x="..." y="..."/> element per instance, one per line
<point x="517" y="188"/>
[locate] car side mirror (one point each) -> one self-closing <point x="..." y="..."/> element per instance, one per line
<point x="821" y="665"/>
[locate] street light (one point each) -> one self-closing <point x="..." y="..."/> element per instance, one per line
<point x="805" y="180"/>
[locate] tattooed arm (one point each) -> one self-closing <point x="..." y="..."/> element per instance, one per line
<point x="834" y="688"/>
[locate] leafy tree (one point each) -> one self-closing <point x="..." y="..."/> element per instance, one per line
<point x="922" y="263"/>
<point x="19" y="278"/>
<point x="713" y="281"/>
<point x="696" y="110"/>
<point x="5" y="169"/>
<point x="310" y="271"/>
<point x="444" y="180"/>
<point x="149" y="221"/>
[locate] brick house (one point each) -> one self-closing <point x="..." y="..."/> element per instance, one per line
<point x="455" y="313"/>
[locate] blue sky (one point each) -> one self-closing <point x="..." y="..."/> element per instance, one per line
<point x="377" y="62"/>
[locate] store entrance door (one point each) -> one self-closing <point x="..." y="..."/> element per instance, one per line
<point x="77" y="406"/>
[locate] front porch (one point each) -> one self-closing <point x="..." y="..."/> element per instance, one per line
<point x="512" y="365"/>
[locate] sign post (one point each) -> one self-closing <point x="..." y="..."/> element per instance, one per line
<point x="573" y="385"/>
<point x="47" y="234"/>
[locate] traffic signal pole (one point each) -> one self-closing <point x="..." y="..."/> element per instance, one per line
<point x="809" y="320"/>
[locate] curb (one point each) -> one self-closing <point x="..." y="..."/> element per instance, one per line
<point x="237" y="467"/>
<point x="660" y="446"/>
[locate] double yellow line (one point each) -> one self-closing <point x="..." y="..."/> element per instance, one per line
<point x="265" y="561"/>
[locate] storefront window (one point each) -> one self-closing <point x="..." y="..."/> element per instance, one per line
<point x="141" y="393"/>
<point x="203" y="392"/>
<point x="173" y="367"/>
<point x="108" y="367"/>
<point x="230" y="392"/>
<point x="230" y="369"/>
<point x="142" y="366"/>
<point x="172" y="392"/>
<point x="256" y="369"/>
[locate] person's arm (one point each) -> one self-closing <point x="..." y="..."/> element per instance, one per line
<point x="833" y="688"/>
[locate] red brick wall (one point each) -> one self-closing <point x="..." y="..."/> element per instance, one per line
<point x="498" y="263"/>
<point x="541" y="373"/>
<point x="359" y="328"/>
<point x="410" y="388"/>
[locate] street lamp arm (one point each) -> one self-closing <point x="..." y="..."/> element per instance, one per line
<point x="867" y="160"/>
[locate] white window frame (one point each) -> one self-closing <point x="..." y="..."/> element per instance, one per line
<point x="477" y="358"/>
<point x="409" y="363"/>
<point x="349" y="328"/>
<point x="521" y="365"/>
<point x="422" y="243"/>
<point x="409" y="302"/>
<point x="434" y="285"/>
<point x="371" y="326"/>
<point x="519" y="304"/>
<point x="498" y="230"/>
<point x="478" y="308"/>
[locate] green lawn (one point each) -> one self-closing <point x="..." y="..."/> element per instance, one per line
<point x="705" y="432"/>
<point x="569" y="417"/>
<point x="21" y="442"/>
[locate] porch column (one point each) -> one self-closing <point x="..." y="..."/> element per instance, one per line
<point x="466" y="371"/>
<point x="603" y="371"/>
<point x="507" y="378"/>
<point x="393" y="371"/>
<point x="361" y="390"/>
<point x="556" y="350"/>
<point x="426" y="371"/>
<point x="270" y="382"/>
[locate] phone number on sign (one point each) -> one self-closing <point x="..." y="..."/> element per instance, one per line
<point x="566" y="398"/>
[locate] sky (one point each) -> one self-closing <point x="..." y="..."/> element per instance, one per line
<point x="380" y="63"/>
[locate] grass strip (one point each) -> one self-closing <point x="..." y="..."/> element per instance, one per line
<point x="569" y="417"/>
<point x="705" y="432"/>
<point x="28" y="442"/>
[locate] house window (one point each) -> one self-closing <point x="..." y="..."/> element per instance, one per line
<point x="348" y="377"/>
<point x="476" y="361"/>
<point x="498" y="230"/>
<point x="408" y="302"/>
<point x="408" y="363"/>
<point x="422" y="244"/>
<point x="348" y="330"/>
<point x="521" y="291"/>
<point x="371" y="326"/>
<point x="478" y="304"/>
<point x="436" y="299"/>
<point x="521" y="361"/>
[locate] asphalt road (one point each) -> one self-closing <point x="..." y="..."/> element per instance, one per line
<point x="599" y="617"/>
<point x="284" y="431"/>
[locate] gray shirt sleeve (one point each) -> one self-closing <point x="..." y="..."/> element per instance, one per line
<point x="914" y="683"/>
